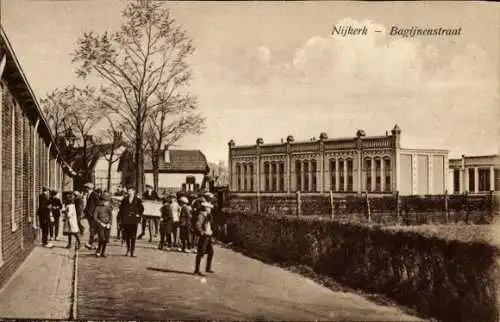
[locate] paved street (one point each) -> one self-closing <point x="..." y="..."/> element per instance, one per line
<point x="159" y="285"/>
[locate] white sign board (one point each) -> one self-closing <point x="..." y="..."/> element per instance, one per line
<point x="152" y="208"/>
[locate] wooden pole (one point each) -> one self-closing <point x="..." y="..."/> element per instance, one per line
<point x="298" y="204"/>
<point x="446" y="205"/>
<point x="332" y="206"/>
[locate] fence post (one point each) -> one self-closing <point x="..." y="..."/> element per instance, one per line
<point x="466" y="206"/>
<point x="446" y="213"/>
<point x="298" y="204"/>
<point x="368" y="208"/>
<point x="332" y="206"/>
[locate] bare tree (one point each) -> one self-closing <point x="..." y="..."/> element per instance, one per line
<point x="56" y="107"/>
<point x="174" y="120"/>
<point x="144" y="64"/>
<point x="115" y="137"/>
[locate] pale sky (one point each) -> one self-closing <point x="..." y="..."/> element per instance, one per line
<point x="273" y="69"/>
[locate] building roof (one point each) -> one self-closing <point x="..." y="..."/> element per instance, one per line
<point x="16" y="79"/>
<point x="181" y="161"/>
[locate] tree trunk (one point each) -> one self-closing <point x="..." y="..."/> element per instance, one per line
<point x="139" y="157"/>
<point x="110" y="164"/>
<point x="156" y="171"/>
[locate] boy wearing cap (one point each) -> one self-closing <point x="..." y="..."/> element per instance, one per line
<point x="185" y="223"/>
<point x="55" y="207"/>
<point x="204" y="227"/>
<point x="102" y="220"/>
<point x="166" y="224"/>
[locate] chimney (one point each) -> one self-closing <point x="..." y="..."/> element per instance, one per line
<point x="167" y="154"/>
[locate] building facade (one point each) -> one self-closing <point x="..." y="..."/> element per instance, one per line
<point x="29" y="160"/>
<point x="375" y="164"/>
<point x="475" y="174"/>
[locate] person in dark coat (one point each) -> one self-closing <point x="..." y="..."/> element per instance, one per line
<point x="195" y="210"/>
<point x="43" y="213"/>
<point x="92" y="202"/>
<point x="185" y="224"/>
<point x="102" y="219"/>
<point x="204" y="226"/>
<point x="56" y="207"/>
<point x="166" y="224"/>
<point x="129" y="216"/>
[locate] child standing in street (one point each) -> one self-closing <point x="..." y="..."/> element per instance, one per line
<point x="102" y="219"/>
<point x="71" y="228"/>
<point x="166" y="224"/>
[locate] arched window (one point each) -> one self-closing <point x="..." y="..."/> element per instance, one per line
<point x="350" y="180"/>
<point x="251" y="176"/>
<point x="333" y="174"/>
<point x="368" y="174"/>
<point x="238" y="176"/>
<point x="298" y="175"/>
<point x="341" y="175"/>
<point x="274" y="177"/>
<point x="245" y="188"/>
<point x="387" y="175"/>
<point x="282" y="176"/>
<point x="306" y="176"/>
<point x="378" y="175"/>
<point x="313" y="175"/>
<point x="266" y="176"/>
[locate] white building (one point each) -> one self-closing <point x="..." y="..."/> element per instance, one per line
<point x="475" y="174"/>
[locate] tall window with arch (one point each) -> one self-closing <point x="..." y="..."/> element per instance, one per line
<point x="282" y="176"/>
<point x="333" y="174"/>
<point x="350" y="180"/>
<point x="266" y="176"/>
<point x="387" y="175"/>
<point x="250" y="166"/>
<point x="313" y="175"/>
<point x="378" y="175"/>
<point x="341" y="175"/>
<point x="238" y="176"/>
<point x="245" y="175"/>
<point x="274" y="177"/>
<point x="306" y="176"/>
<point x="368" y="174"/>
<point x="298" y="175"/>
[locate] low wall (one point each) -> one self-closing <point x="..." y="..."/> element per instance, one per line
<point x="446" y="279"/>
<point x="409" y="210"/>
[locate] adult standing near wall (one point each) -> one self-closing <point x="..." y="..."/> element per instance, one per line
<point x="56" y="207"/>
<point x="92" y="202"/>
<point x="44" y="215"/>
<point x="129" y="216"/>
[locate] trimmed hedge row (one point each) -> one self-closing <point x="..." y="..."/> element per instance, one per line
<point x="449" y="280"/>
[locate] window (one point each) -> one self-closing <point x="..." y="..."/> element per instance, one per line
<point x="341" y="175"/>
<point x="456" y="181"/>
<point x="497" y="179"/>
<point x="238" y="176"/>
<point x="333" y="175"/>
<point x="484" y="179"/>
<point x="378" y="181"/>
<point x="313" y="175"/>
<point x="251" y="177"/>
<point x="282" y="176"/>
<point x="306" y="176"/>
<point x="245" y="174"/>
<point x="350" y="180"/>
<point x="387" y="174"/>
<point x="472" y="186"/>
<point x="266" y="176"/>
<point x="298" y="175"/>
<point x="368" y="174"/>
<point x="274" y="177"/>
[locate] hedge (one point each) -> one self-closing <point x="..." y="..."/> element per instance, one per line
<point x="446" y="279"/>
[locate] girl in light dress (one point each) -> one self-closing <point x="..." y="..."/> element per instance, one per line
<point x="71" y="228"/>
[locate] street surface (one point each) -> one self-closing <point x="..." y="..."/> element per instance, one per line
<point x="160" y="285"/>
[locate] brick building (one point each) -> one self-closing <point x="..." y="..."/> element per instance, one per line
<point x="373" y="164"/>
<point x="29" y="160"/>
